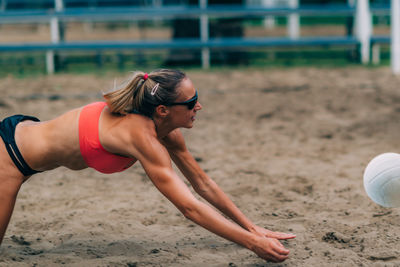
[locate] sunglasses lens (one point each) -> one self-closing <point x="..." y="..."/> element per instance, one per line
<point x="191" y="104"/>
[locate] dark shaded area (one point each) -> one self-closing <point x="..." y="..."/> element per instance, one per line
<point x="222" y="27"/>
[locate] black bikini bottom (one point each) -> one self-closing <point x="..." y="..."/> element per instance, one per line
<point x="7" y="132"/>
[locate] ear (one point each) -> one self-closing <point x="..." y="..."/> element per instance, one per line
<point x="162" y="111"/>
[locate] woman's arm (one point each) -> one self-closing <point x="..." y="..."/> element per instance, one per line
<point x="156" y="162"/>
<point x="208" y="189"/>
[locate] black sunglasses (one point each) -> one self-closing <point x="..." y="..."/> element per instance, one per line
<point x="189" y="103"/>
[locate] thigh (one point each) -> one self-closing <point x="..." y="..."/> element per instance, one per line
<point x="9" y="173"/>
<point x="11" y="180"/>
<point x="8" y="194"/>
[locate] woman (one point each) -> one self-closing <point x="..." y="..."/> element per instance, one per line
<point x="138" y="122"/>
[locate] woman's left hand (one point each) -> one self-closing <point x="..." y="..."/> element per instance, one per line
<point x="260" y="231"/>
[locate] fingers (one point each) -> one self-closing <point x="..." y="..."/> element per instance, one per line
<point x="275" y="252"/>
<point x="280" y="244"/>
<point x="270" y="248"/>
<point x="279" y="252"/>
<point x="274" y="257"/>
<point x="277" y="258"/>
<point x="281" y="236"/>
<point x="279" y="248"/>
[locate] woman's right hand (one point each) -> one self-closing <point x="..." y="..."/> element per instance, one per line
<point x="270" y="249"/>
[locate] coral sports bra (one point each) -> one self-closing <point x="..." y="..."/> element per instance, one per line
<point x="92" y="151"/>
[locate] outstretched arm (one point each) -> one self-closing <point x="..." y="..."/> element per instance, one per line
<point x="156" y="162"/>
<point x="208" y="189"/>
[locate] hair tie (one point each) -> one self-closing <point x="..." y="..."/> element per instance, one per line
<point x="145" y="76"/>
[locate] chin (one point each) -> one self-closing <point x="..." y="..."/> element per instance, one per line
<point x="189" y="125"/>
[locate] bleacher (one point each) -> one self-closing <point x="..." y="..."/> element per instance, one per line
<point x="56" y="12"/>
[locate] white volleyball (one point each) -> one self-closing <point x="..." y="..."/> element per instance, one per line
<point x="382" y="179"/>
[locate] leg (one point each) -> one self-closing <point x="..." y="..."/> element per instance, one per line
<point x="9" y="188"/>
<point x="11" y="178"/>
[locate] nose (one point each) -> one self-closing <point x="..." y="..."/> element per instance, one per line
<point x="198" y="106"/>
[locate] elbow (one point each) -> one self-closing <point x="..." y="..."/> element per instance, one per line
<point x="190" y="211"/>
<point x="187" y="214"/>
<point x="201" y="190"/>
<point x="203" y="187"/>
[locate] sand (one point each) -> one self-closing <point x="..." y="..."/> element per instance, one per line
<point x="289" y="146"/>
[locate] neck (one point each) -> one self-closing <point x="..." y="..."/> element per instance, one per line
<point x="163" y="128"/>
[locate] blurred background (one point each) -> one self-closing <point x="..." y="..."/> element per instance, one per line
<point x="48" y="36"/>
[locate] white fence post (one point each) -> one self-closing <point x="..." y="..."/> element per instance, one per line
<point x="59" y="5"/>
<point x="294" y="21"/>
<point x="364" y="29"/>
<point x="395" y="45"/>
<point x="204" y="34"/>
<point x="376" y="54"/>
<point x="157" y="4"/>
<point x="55" y="36"/>
<point x="269" y="21"/>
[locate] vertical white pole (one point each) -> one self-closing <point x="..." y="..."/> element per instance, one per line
<point x="55" y="37"/>
<point x="59" y="5"/>
<point x="294" y="21"/>
<point x="269" y="21"/>
<point x="364" y="28"/>
<point x="50" y="62"/>
<point x="54" y="30"/>
<point x="376" y="54"/>
<point x="395" y="45"/>
<point x="204" y="35"/>
<point x="157" y="4"/>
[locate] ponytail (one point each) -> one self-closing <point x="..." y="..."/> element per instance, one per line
<point x="128" y="96"/>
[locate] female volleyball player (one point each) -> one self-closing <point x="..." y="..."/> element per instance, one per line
<point x="138" y="122"/>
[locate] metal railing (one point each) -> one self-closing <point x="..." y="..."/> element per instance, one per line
<point x="362" y="14"/>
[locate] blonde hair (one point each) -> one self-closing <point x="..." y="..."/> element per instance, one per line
<point x="137" y="95"/>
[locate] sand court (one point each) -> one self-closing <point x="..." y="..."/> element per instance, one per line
<point x="289" y="146"/>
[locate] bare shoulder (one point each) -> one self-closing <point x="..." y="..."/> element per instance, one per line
<point x="174" y="141"/>
<point x="137" y="136"/>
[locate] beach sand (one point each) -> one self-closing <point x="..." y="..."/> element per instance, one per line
<point x="289" y="146"/>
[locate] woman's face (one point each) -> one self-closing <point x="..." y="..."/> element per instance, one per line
<point x="181" y="115"/>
